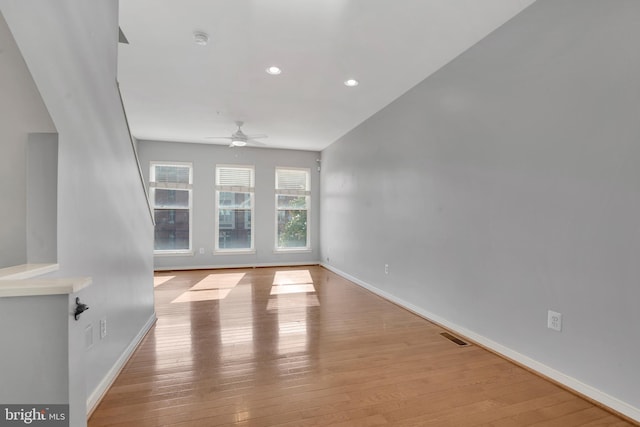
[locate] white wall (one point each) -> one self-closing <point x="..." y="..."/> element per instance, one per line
<point x="21" y="112"/>
<point x="104" y="228"/>
<point x="507" y="184"/>
<point x="204" y="159"/>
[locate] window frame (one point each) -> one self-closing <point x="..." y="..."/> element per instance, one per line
<point x="153" y="185"/>
<point x="251" y="190"/>
<point x="283" y="192"/>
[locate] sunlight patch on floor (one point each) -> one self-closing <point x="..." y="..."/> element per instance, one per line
<point x="205" y="295"/>
<point x="211" y="288"/>
<point x="219" y="281"/>
<point x="159" y="280"/>
<point x="292" y="277"/>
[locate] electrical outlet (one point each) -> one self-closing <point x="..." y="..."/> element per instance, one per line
<point x="554" y="321"/>
<point x="201" y="251"/>
<point x="386" y="269"/>
<point x="103" y="327"/>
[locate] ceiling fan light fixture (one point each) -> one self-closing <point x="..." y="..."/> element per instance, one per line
<point x="351" y="83"/>
<point x="273" y="70"/>
<point x="238" y="143"/>
<point x="200" y="38"/>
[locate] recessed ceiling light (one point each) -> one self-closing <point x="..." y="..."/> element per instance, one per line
<point x="200" y="38"/>
<point x="273" y="70"/>
<point x="351" y="82"/>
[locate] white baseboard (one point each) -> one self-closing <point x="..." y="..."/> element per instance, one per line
<point x="567" y="381"/>
<point x="96" y="396"/>
<point x="218" y="266"/>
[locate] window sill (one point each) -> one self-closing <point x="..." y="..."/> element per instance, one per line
<point x="292" y="251"/>
<point x="168" y="253"/>
<point x="234" y="252"/>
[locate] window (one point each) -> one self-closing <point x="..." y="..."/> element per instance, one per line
<point x="234" y="209"/>
<point x="170" y="192"/>
<point x="292" y="209"/>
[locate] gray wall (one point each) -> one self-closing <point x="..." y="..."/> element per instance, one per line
<point x="104" y="228"/>
<point x="34" y="368"/>
<point x="507" y="184"/>
<point x="42" y="197"/>
<point x="21" y="112"/>
<point x="204" y="158"/>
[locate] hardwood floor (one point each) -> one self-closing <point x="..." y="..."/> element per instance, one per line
<point x="303" y="347"/>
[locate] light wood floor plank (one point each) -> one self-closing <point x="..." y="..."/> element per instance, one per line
<point x="256" y="347"/>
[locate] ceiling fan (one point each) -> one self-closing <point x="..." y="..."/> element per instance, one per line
<point x="240" y="139"/>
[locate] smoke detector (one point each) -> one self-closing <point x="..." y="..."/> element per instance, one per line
<point x="200" y="38"/>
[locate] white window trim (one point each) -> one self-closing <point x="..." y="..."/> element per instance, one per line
<point x="172" y="186"/>
<point x="252" y="196"/>
<point x="307" y="193"/>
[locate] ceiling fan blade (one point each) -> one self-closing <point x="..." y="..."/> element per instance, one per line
<point x="240" y="139"/>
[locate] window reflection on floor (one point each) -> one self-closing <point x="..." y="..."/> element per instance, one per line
<point x="292" y="336"/>
<point x="287" y="301"/>
<point x="237" y="329"/>
<point x="291" y="297"/>
<point x="292" y="289"/>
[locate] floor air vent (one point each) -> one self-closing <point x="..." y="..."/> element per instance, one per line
<point x="453" y="339"/>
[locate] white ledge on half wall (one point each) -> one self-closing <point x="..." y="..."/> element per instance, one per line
<point x="19" y="281"/>
<point x="26" y="271"/>
<point x="34" y="287"/>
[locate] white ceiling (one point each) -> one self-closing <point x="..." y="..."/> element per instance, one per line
<point x="175" y="90"/>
